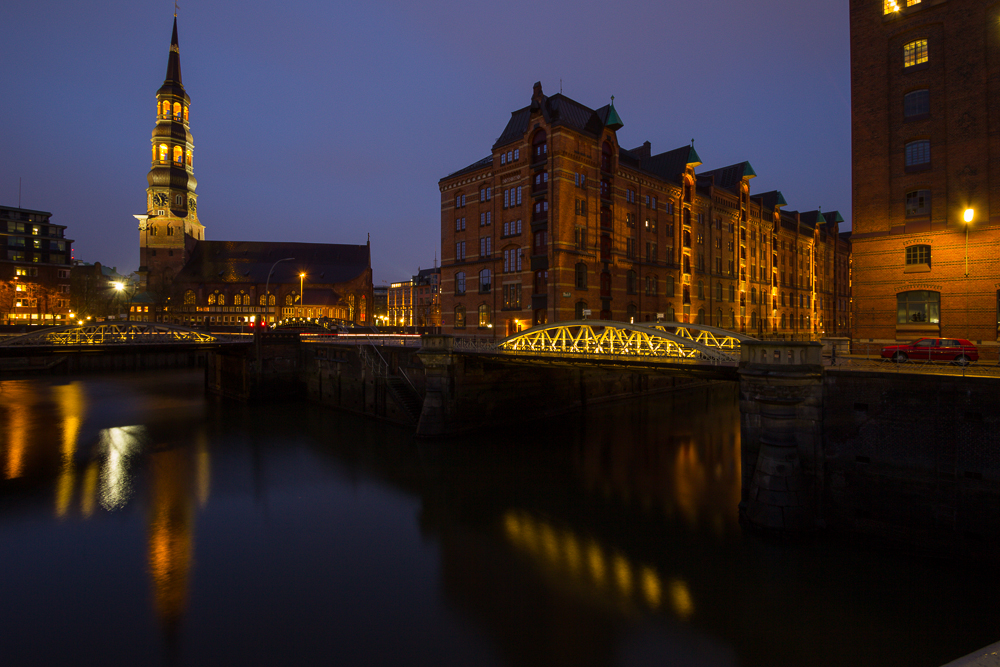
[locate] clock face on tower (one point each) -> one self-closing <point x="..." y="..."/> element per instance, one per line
<point x="160" y="199"/>
<point x="192" y="205"/>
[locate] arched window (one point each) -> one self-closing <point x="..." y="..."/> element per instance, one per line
<point x="190" y="163"/>
<point x="918" y="153"/>
<point x="238" y="300"/>
<point x="606" y="154"/>
<point x="178" y="200"/>
<point x="222" y="299"/>
<point x="539" y="147"/>
<point x="671" y="315"/>
<point x="459" y="317"/>
<point x="362" y="310"/>
<point x="350" y="307"/>
<point x="732" y="293"/>
<point x="460" y="283"/>
<point x="178" y="155"/>
<point x="753" y="319"/>
<point x="289" y="299"/>
<point x="718" y="318"/>
<point x="185" y="114"/>
<point x="581" y="275"/>
<point x="189" y="298"/>
<point x="262" y="300"/>
<point x="211" y="299"/>
<point x="271" y="300"/>
<point x="718" y="295"/>
<point x="164" y="155"/>
<point x="753" y="295"/>
<point x="783" y="321"/>
<point x="166" y="109"/>
<point x="632" y="282"/>
<point x="485" y="281"/>
<point x="152" y="230"/>
<point x="918" y="306"/>
<point x="701" y="292"/>
<point x="630" y="312"/>
<point x="701" y="316"/>
<point x="578" y="310"/>
<point x="177" y="110"/>
<point x="484" y="316"/>
<point x="669" y="286"/>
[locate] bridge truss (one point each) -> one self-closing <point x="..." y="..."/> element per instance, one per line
<point x="124" y="333"/>
<point x="596" y="339"/>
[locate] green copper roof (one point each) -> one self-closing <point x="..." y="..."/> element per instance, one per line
<point x="748" y="171"/>
<point x="693" y="157"/>
<point x="781" y="200"/>
<point x="614" y="122"/>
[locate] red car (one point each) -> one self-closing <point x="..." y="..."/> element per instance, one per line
<point x="955" y="350"/>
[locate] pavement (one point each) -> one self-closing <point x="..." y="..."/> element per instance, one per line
<point x="984" y="657"/>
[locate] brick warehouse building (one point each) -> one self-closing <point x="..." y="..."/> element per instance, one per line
<point x="193" y="281"/>
<point x="925" y="89"/>
<point x="560" y="220"/>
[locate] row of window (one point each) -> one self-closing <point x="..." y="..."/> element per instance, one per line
<point x="177" y="111"/>
<point x="162" y="152"/>
<point x="890" y="6"/>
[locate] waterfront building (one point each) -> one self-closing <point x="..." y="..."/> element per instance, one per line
<point x="427" y="299"/>
<point x="925" y="95"/>
<point x="380" y="305"/>
<point x="34" y="268"/>
<point x="187" y="279"/>
<point x="400" y="303"/>
<point x="560" y="223"/>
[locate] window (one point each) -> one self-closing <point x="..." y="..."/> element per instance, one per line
<point x="918" y="254"/>
<point x="918" y="202"/>
<point x="918" y="153"/>
<point x="701" y="290"/>
<point x="541" y="243"/>
<point x="581" y="275"/>
<point x="916" y="104"/>
<point x="651" y="285"/>
<point x="511" y="260"/>
<point x="539" y="147"/>
<point x="460" y="283"/>
<point x="581" y="207"/>
<point x="732" y="293"/>
<point x="459" y="317"/>
<point x="485" y="246"/>
<point x="485" y="282"/>
<point x="917" y="307"/>
<point x="485" y="219"/>
<point x="459" y="224"/>
<point x="650" y="251"/>
<point x="581" y="238"/>
<point x="189" y="298"/>
<point x="915" y="53"/>
<point x="484" y="316"/>
<point x="631" y="282"/>
<point x="512" y="296"/>
<point x="668" y="286"/>
<point x="460" y="251"/>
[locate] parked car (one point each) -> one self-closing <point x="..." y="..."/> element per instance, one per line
<point x="954" y="350"/>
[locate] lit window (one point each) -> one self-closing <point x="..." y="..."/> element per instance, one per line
<point x="484" y="316"/>
<point x="915" y="53"/>
<point x="917" y="103"/>
<point x="459" y="317"/>
<point x="918" y="153"/>
<point x="918" y="306"/>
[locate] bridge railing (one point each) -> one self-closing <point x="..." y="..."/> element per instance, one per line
<point x="125" y="333"/>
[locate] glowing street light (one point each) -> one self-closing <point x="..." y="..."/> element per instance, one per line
<point x="969" y="214"/>
<point x="302" y="294"/>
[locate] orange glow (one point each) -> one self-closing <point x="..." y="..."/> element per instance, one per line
<point x="71" y="405"/>
<point x="651" y="588"/>
<point x="680" y="599"/>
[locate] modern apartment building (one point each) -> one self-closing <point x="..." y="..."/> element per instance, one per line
<point x="34" y="268"/>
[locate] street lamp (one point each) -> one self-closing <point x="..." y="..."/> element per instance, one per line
<point x="267" y="284"/>
<point x="302" y="294"/>
<point x="969" y="213"/>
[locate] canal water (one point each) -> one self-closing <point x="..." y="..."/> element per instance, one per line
<point x="145" y="523"/>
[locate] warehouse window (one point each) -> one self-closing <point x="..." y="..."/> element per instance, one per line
<point x="915" y="53"/>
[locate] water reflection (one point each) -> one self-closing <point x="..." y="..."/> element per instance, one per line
<point x="608" y="537"/>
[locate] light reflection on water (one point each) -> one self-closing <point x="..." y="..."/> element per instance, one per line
<point x="187" y="531"/>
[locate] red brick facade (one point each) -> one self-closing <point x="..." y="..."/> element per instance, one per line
<point x="925" y="83"/>
<point x="560" y="220"/>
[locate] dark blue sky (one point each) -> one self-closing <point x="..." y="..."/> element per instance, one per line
<point x="321" y="121"/>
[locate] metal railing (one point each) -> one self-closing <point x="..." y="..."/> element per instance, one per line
<point x="911" y="366"/>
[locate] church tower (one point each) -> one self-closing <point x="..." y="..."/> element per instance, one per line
<point x="170" y="229"/>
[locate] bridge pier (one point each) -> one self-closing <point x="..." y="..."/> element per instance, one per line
<point x="781" y="415"/>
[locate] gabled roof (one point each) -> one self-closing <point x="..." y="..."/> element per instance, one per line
<point x="771" y="200"/>
<point x="249" y="262"/>
<point x="475" y="166"/>
<point x="559" y="110"/>
<point x="729" y="177"/>
<point x="668" y="165"/>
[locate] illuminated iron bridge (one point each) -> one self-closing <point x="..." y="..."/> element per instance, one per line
<point x="117" y="334"/>
<point x="633" y="344"/>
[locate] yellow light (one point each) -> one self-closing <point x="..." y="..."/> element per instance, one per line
<point x="968" y="214"/>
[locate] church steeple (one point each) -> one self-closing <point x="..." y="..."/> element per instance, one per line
<point x="172" y="225"/>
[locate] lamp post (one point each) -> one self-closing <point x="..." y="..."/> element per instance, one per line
<point x="969" y="213"/>
<point x="267" y="284"/>
<point x="302" y="294"/>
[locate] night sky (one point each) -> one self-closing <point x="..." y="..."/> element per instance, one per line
<point x="319" y="121"/>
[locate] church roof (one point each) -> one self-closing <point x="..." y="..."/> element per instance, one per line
<point x="172" y="84"/>
<point x="248" y="262"/>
